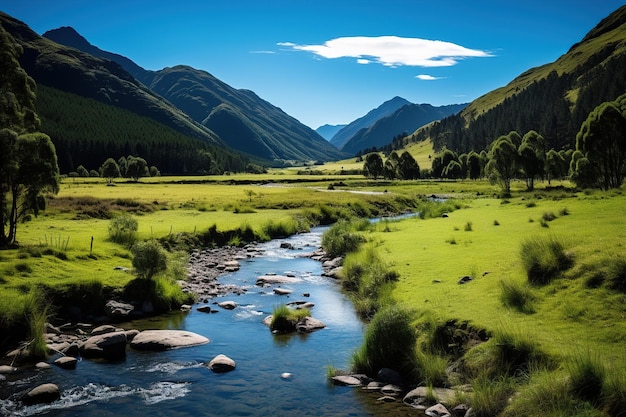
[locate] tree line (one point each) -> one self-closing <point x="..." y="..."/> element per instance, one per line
<point x="597" y="161"/>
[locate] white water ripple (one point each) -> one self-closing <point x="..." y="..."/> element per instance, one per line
<point x="78" y="396"/>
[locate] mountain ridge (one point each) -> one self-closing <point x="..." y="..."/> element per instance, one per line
<point x="246" y="121"/>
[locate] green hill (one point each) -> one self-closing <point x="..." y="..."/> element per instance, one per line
<point x="553" y="99"/>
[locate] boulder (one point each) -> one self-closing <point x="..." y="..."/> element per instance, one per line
<point x="107" y="345"/>
<point x="105" y="328"/>
<point x="309" y="324"/>
<point x="6" y="369"/>
<point x="42" y="394"/>
<point x="419" y="395"/>
<point x="391" y="389"/>
<point x="221" y="363"/>
<point x="204" y="309"/>
<point x="42" y="365"/>
<point x="228" y="305"/>
<point x="347" y="380"/>
<point x="130" y="334"/>
<point x="389" y="376"/>
<point x="275" y="279"/>
<point x="437" y="410"/>
<point x="66" y="362"/>
<point x="282" y="291"/>
<point x="159" y="340"/>
<point x="118" y="310"/>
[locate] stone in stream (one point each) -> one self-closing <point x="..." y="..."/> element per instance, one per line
<point x="282" y="291"/>
<point x="42" y="394"/>
<point x="66" y="362"/>
<point x="221" y="363"/>
<point x="228" y="305"/>
<point x="275" y="279"/>
<point x="107" y="345"/>
<point x="159" y="340"/>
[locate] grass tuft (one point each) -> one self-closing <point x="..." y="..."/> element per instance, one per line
<point x="517" y="296"/>
<point x="544" y="258"/>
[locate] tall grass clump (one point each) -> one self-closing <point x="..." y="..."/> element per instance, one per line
<point x="390" y="342"/>
<point x="284" y="319"/>
<point x="616" y="275"/>
<point x="368" y="279"/>
<point x="544" y="258"/>
<point x="509" y="353"/>
<point x="273" y="229"/>
<point x="36" y="311"/>
<point x="342" y="238"/>
<point x="517" y="296"/>
<point x="614" y="392"/>
<point x="123" y="229"/>
<point x="491" y="395"/>
<point x="586" y="377"/>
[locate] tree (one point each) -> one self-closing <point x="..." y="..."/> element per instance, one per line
<point x="532" y="158"/>
<point x="137" y="167"/>
<point x="373" y="166"/>
<point x="555" y="165"/>
<point x="82" y="171"/>
<point x="33" y="170"/>
<point x="441" y="162"/>
<point x="391" y="166"/>
<point x="474" y="165"/>
<point x="110" y="170"/>
<point x="502" y="164"/>
<point x="408" y="169"/>
<point x="453" y="170"/>
<point x="149" y="259"/>
<point x="601" y="140"/>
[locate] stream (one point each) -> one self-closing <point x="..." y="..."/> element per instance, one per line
<point x="276" y="375"/>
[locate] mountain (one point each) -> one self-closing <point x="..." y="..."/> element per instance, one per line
<point x="553" y="99"/>
<point x="385" y="109"/>
<point x="73" y="71"/>
<point x="328" y="131"/>
<point x="243" y="120"/>
<point x="401" y="122"/>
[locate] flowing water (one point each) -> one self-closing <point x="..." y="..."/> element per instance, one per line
<point x="276" y="375"/>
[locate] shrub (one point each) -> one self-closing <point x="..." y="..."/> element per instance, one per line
<point x="517" y="296"/>
<point x="616" y="275"/>
<point x="123" y="229"/>
<point x="389" y="343"/>
<point x="548" y="216"/>
<point x="468" y="226"/>
<point x="544" y="259"/>
<point x="149" y="258"/>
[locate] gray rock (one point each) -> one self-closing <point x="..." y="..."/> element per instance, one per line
<point x="6" y="369"/>
<point x="108" y="346"/>
<point x="221" y="363"/>
<point x="42" y="365"/>
<point x="389" y="376"/>
<point x="66" y="362"/>
<point x="282" y="291"/>
<point x="437" y="410"/>
<point x="72" y="350"/>
<point x="105" y="328"/>
<point x="391" y="389"/>
<point x="228" y="305"/>
<point x="347" y="380"/>
<point x="419" y="395"/>
<point x="43" y="394"/>
<point x="386" y="399"/>
<point x="117" y="310"/>
<point x="275" y="279"/>
<point x="130" y="334"/>
<point x="204" y="309"/>
<point x="309" y="324"/>
<point x="159" y="340"/>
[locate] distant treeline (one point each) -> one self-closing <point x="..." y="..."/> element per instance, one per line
<point x="86" y="132"/>
<point x="557" y="122"/>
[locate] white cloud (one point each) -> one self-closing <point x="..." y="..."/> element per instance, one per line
<point x="263" y="52"/>
<point x="392" y="51"/>
<point x="363" y="61"/>
<point x="426" y="77"/>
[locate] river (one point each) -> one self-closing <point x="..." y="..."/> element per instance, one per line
<point x="276" y="375"/>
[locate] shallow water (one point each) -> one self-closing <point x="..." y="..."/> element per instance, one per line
<point x="178" y="383"/>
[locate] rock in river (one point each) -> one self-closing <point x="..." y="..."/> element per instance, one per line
<point x="158" y="340"/>
<point x="42" y="394"/>
<point x="221" y="363"/>
<point x="107" y="345"/>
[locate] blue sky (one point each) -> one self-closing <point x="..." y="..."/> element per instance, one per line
<point x="332" y="61"/>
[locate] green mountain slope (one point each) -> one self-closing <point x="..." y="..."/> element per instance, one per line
<point x="70" y="70"/>
<point x="405" y="119"/>
<point x="553" y="99"/>
<point x="242" y="119"/>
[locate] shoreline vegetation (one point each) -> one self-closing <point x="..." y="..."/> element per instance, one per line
<point x="522" y="298"/>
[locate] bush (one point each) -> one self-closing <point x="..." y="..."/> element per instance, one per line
<point x="389" y="343"/>
<point x="544" y="258"/>
<point x="123" y="229"/>
<point x="517" y="296"/>
<point x="149" y="258"/>
<point x="616" y="275"/>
